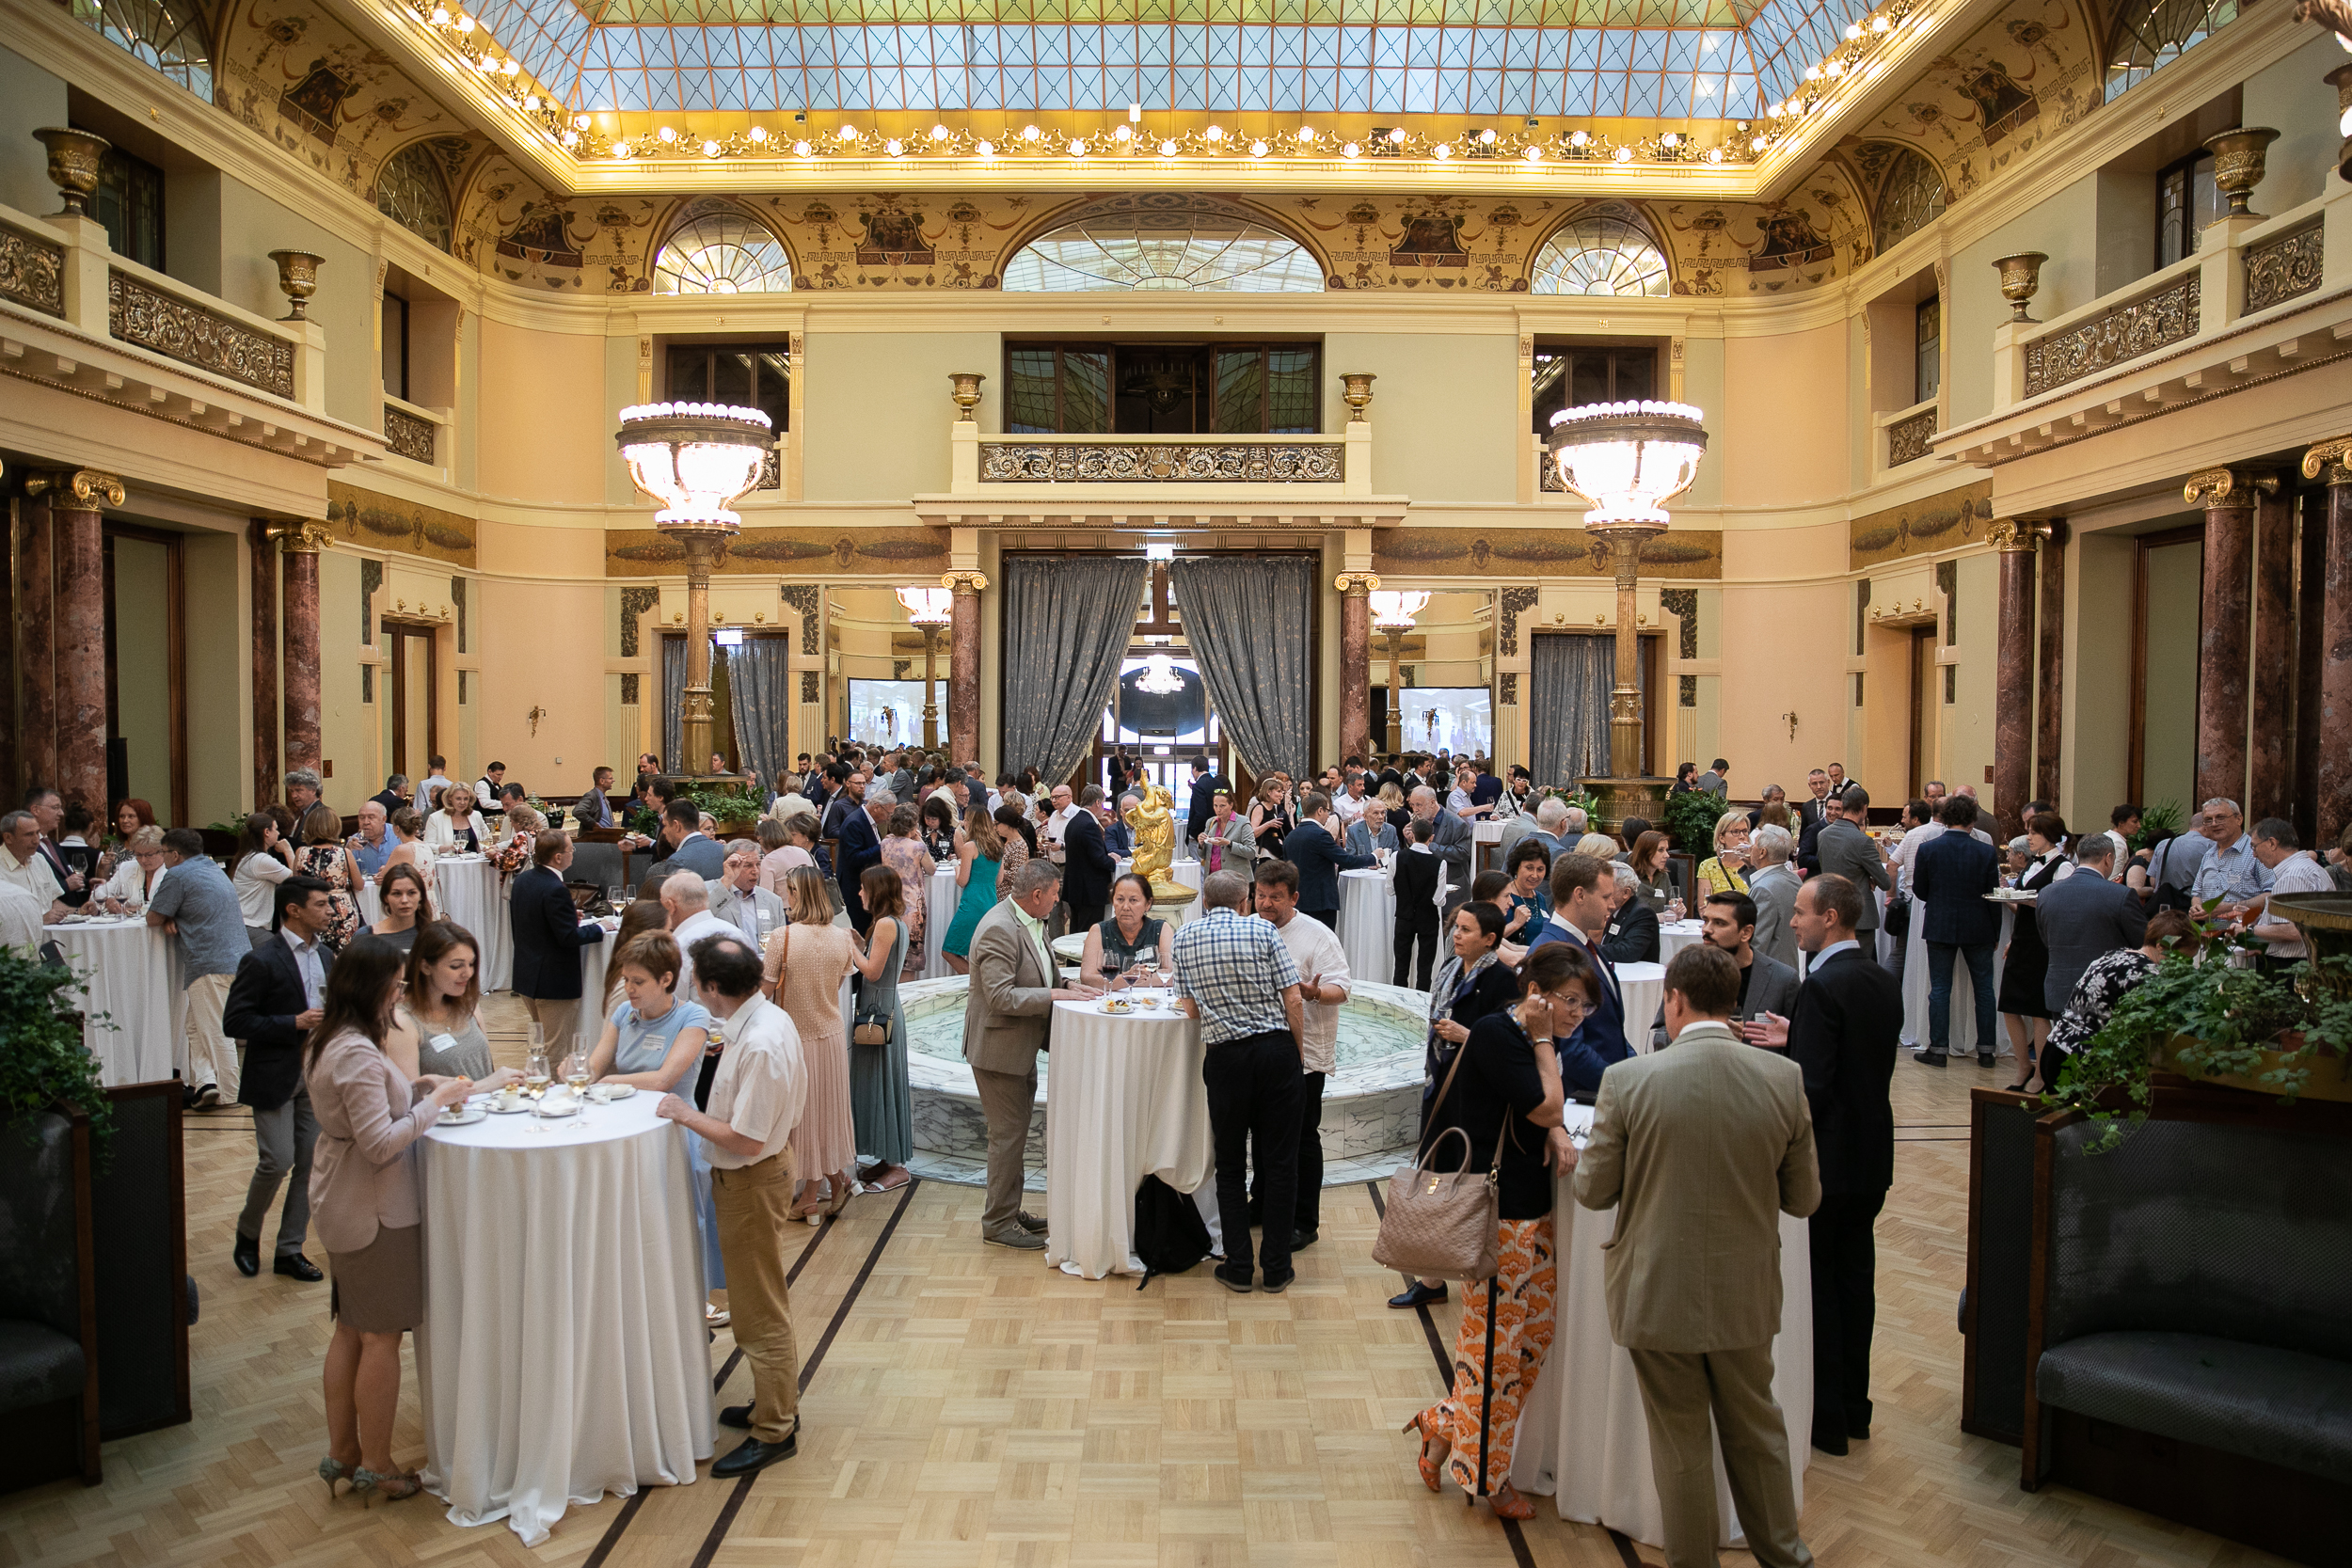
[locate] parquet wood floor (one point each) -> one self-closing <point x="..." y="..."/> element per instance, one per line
<point x="972" y="1410"/>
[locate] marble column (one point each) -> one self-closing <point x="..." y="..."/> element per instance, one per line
<point x="2225" y="644"/>
<point x="2049" y="702"/>
<point x="2271" y="788"/>
<point x="37" y="644"/>
<point x="2333" y="459"/>
<point x="963" y="665"/>
<point x="1355" y="662"/>
<point x="78" y="628"/>
<point x="2012" y="673"/>
<point x="266" y="715"/>
<point x="299" y="544"/>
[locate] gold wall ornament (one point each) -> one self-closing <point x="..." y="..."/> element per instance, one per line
<point x="2011" y="536"/>
<point x="1356" y="388"/>
<point x="965" y="388"/>
<point x="2021" y="279"/>
<point x="1356" y="584"/>
<point x="2332" y="459"/>
<point x="74" y="157"/>
<point x="301" y="536"/>
<point x="2234" y="488"/>
<point x="2238" y="159"/>
<point x="297" y="280"/>
<point x="964" y="582"/>
<point x="79" y="489"/>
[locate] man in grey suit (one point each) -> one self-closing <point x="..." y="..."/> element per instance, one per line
<point x="1766" y="984"/>
<point x="1716" y="781"/>
<point x="1845" y="850"/>
<point x="1549" y="818"/>
<point x="737" y="898"/>
<point x="2084" y="916"/>
<point x="1774" y="887"/>
<point x="1451" y="844"/>
<point x="1008" y="1016"/>
<point x="1700" y="1149"/>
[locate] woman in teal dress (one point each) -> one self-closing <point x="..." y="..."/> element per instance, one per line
<point x="979" y="848"/>
<point x="881" y="1102"/>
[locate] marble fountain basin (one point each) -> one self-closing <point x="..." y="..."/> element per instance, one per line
<point x="1371" y="1104"/>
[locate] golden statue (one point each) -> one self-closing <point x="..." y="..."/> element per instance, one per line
<point x="1153" y="819"/>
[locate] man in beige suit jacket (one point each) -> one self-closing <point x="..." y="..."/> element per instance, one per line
<point x="1007" y="1016"/>
<point x="1701" y="1147"/>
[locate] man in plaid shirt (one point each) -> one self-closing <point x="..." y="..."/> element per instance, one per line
<point x="1235" y="975"/>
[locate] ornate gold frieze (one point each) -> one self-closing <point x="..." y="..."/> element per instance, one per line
<point x="1941" y="522"/>
<point x="1412" y="553"/>
<point x="409" y="436"/>
<point x="2281" y="269"/>
<point x="899" y="552"/>
<point x="194" y="336"/>
<point x="1907" y="440"/>
<point x="1163" y="462"/>
<point x="2114" y="337"/>
<point x="32" y="272"/>
<point x="363" y="517"/>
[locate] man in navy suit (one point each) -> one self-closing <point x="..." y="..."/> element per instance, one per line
<point x="2078" y="924"/>
<point x="273" y="1004"/>
<point x="690" y="848"/>
<point x="859" y="846"/>
<point x="1320" y="860"/>
<point x="1844" y="1032"/>
<point x="1812" y="815"/>
<point x="1087" y="866"/>
<point x="548" y="935"/>
<point x="1581" y="891"/>
<point x="1950" y="874"/>
<point x="1205" y="784"/>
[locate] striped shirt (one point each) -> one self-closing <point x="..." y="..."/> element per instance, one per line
<point x="1235" y="971"/>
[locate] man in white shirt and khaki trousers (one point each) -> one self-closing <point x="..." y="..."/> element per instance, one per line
<point x="1323" y="977"/>
<point x="756" y="1101"/>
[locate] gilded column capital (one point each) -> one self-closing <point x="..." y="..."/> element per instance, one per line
<point x="303" y="536"/>
<point x="2234" y="488"/>
<point x="964" y="582"/>
<point x="2332" y="459"/>
<point x="2016" y="535"/>
<point x="1356" y="584"/>
<point x="78" y="489"/>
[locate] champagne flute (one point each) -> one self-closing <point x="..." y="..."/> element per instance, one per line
<point x="536" y="1074"/>
<point x="575" y="1072"/>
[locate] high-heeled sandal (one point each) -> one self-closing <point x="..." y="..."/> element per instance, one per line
<point x="1431" y="1465"/>
<point x="843" y="1192"/>
<point x="391" y="1488"/>
<point x="1508" y="1504"/>
<point x="332" y="1470"/>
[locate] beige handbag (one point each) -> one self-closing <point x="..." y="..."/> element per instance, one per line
<point x="1443" y="1225"/>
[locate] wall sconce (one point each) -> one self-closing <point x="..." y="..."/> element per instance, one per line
<point x="1790" y="719"/>
<point x="534" y="716"/>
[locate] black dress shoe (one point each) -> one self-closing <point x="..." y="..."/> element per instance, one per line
<point x="1830" y="1443"/>
<point x="737" y="1416"/>
<point x="247" y="1255"/>
<point x="1030" y="1223"/>
<point x="1926" y="1058"/>
<point x="1984" y="1059"/>
<point x="1302" y="1240"/>
<point x="1276" y="1285"/>
<point x="1858" y="1430"/>
<point x="1418" y="1294"/>
<point x="298" y="1267"/>
<point x="1237" y="1280"/>
<point x="752" y="1455"/>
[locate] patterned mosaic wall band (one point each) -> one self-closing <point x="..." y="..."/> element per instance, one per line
<point x="1537" y="553"/>
<point x="458" y="597"/>
<point x="636" y="599"/>
<point x="1683" y="605"/>
<point x="808" y="600"/>
<point x="809" y="686"/>
<point x="371" y="579"/>
<point x="1509" y="681"/>
<point x="381" y="522"/>
<point x="628" y="691"/>
<point x="1941" y="522"/>
<point x="902" y="554"/>
<point x="1515" y="601"/>
<point x="1947" y="584"/>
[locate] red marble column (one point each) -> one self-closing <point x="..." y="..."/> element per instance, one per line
<point x="81" y="632"/>
<point x="964" y="667"/>
<point x="299" y="552"/>
<point x="2270" y="791"/>
<point x="2050" y="701"/>
<point x="37" y="646"/>
<point x="2334" y="717"/>
<point x="2225" y="644"/>
<point x="265" y="717"/>
<point x="2311" y="609"/>
<point x="2012" y="673"/>
<point x="1355" y="662"/>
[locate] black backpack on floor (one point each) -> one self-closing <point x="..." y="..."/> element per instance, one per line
<point x="1171" y="1235"/>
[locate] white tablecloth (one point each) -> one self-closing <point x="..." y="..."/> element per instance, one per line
<point x="1915" y="987"/>
<point x="1582" y="1438"/>
<point x="1123" y="1100"/>
<point x="938" y="914"/>
<point x="562" y="1353"/>
<point x="1674" y="936"/>
<point x="1368" y="924"/>
<point x="134" y="974"/>
<point x="1644" y="989"/>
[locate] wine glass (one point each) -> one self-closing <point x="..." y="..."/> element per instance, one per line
<point x="536" y="1074"/>
<point x="575" y="1072"/>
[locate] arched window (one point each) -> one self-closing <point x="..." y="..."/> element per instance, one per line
<point x="172" y="35"/>
<point x="408" y="191"/>
<point x="1599" y="254"/>
<point x="2150" y="35"/>
<point x="1169" y="242"/>
<point x="1910" y="197"/>
<point x="721" y="253"/>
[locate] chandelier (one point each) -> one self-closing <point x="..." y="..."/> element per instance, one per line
<point x="928" y="607"/>
<point x="1159" y="677"/>
<point x="1394" y="609"/>
<point x="695" y="458"/>
<point x="1627" y="459"/>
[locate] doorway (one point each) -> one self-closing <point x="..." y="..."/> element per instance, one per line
<point x="416" y="698"/>
<point x="1923" y="709"/>
<point x="2168" y="601"/>
<point x="146" y="651"/>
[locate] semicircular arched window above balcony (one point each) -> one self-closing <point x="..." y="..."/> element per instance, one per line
<point x="408" y="191"/>
<point x="171" y="36"/>
<point x="721" y="253"/>
<point x="1166" y="242"/>
<point x="1601" y="255"/>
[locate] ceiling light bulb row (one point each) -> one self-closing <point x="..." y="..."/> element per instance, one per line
<point x="495" y="70"/>
<point x="1863" y="39"/>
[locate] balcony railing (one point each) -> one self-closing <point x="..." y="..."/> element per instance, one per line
<point x="170" y="320"/>
<point x="32" y="270"/>
<point x="414" y="431"/>
<point x="2284" y="268"/>
<point x="1910" y="433"/>
<point x="1312" y="465"/>
<point x="2165" y="316"/>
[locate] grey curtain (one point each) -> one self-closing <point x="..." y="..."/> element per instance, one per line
<point x="1568" y="724"/>
<point x="756" y="686"/>
<point x="1250" y="620"/>
<point x="1067" y="624"/>
<point x="672" y="703"/>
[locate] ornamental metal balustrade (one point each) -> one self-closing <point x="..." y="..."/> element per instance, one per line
<point x="1146" y="460"/>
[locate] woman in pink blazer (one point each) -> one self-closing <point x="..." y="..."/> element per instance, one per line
<point x="364" y="1205"/>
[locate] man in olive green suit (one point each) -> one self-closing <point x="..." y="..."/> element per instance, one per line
<point x="1701" y="1147"/>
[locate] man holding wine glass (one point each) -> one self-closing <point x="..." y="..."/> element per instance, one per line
<point x="1323" y="979"/>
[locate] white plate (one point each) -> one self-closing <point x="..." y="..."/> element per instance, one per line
<point x="569" y="1108"/>
<point x="617" y="1091"/>
<point x="462" y="1115"/>
<point x="498" y="1110"/>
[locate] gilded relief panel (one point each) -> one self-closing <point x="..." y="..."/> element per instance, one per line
<point x="1942" y="522"/>
<point x="905" y="552"/>
<point x="1528" y="552"/>
<point x="363" y="517"/>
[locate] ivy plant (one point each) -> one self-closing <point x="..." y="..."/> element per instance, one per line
<point x="44" y="1060"/>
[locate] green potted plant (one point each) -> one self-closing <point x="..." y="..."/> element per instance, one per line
<point x="44" y="1063"/>
<point x="1689" y="821"/>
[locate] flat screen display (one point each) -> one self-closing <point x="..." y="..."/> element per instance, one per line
<point x="891" y="712"/>
<point x="1456" y="718"/>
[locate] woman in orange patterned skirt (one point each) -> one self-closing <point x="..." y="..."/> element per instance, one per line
<point x="1505" y="1088"/>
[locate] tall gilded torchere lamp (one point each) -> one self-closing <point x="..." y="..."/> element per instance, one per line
<point x="1627" y="460"/>
<point x="695" y="458"/>
<point x="1392" y="613"/>
<point x="930" y="610"/>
